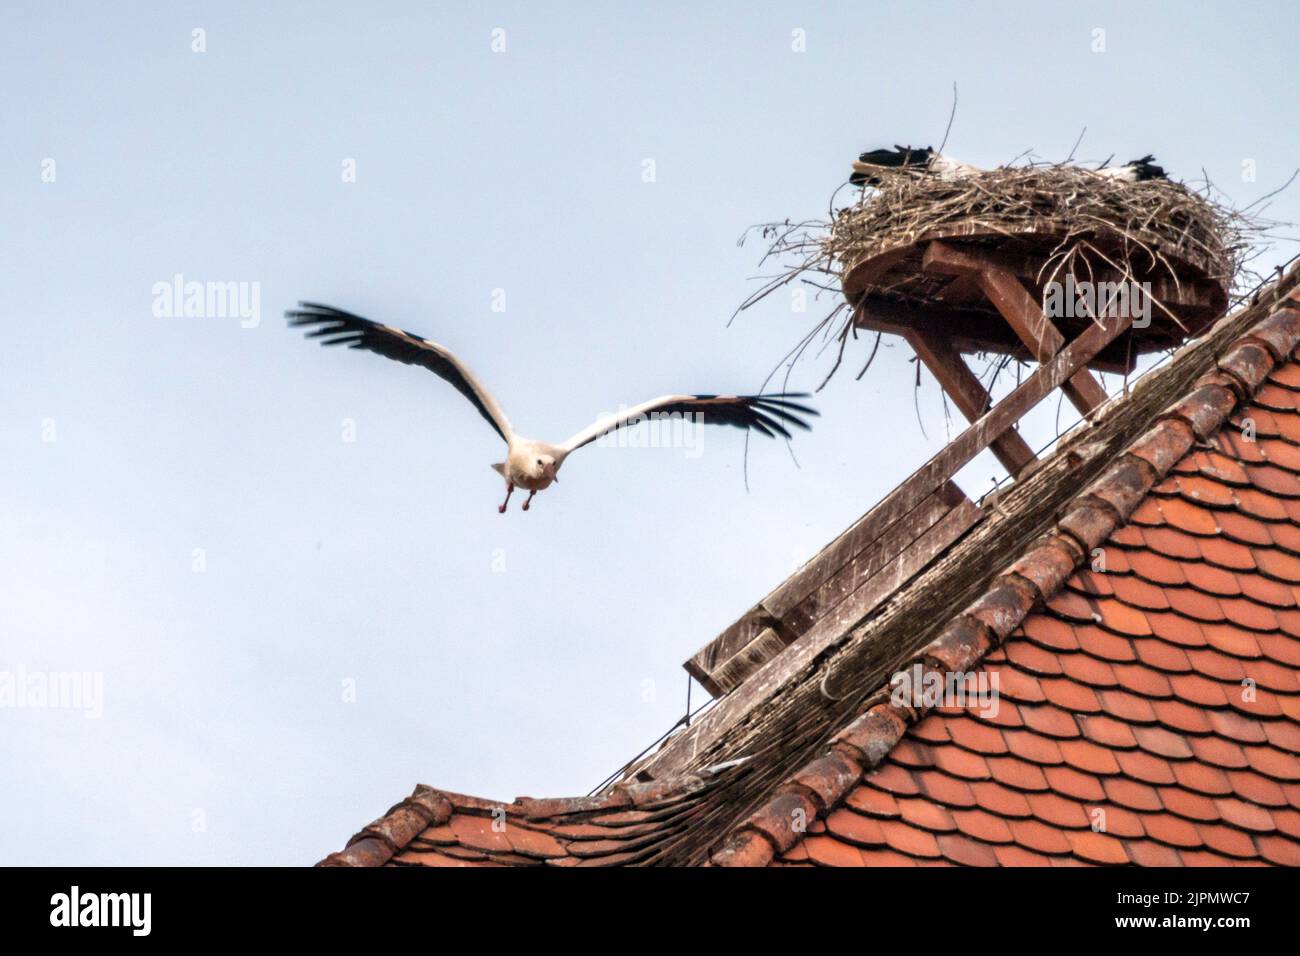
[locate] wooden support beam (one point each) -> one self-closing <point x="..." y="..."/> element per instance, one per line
<point x="1196" y="294"/>
<point x="1022" y="313"/>
<point x="969" y="332"/>
<point x="968" y="394"/>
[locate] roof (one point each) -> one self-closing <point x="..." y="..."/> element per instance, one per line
<point x="1144" y="634"/>
<point x="631" y="824"/>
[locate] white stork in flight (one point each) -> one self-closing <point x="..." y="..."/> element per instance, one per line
<point x="866" y="168"/>
<point x="533" y="464"/>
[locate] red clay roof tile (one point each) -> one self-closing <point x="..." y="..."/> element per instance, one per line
<point x="1075" y="783"/>
<point x="977" y="735"/>
<point x="1244" y="529"/>
<point x="1254" y="788"/>
<point x="1105" y="646"/>
<point x="1273" y="763"/>
<point x="873" y="802"/>
<point x="1126" y="706"/>
<point x="1131" y="794"/>
<point x="983" y="826"/>
<point x="1057" y="810"/>
<point x="1212" y="580"/>
<point x="1078" y="698"/>
<point x="1019" y="856"/>
<point x="1108" y="731"/>
<point x="1198" y="690"/>
<point x="1083" y="669"/>
<point x="1158" y="740"/>
<point x="968" y="852"/>
<point x="1038" y="836"/>
<point x="1001" y="800"/>
<point x="1033" y="747"/>
<point x="946" y="790"/>
<point x="1090" y="757"/>
<point x="908" y="839"/>
<point x="1245" y="815"/>
<point x="854" y="827"/>
<point x="1097" y="847"/>
<point x="1279" y="565"/>
<point x="1143" y="766"/>
<point x="1173" y="830"/>
<point x="1162" y="655"/>
<point x="1156" y="568"/>
<point x="1279" y="850"/>
<point x="1180" y="716"/>
<point x="827" y="851"/>
<point x="1053" y="721"/>
<point x="1117" y="821"/>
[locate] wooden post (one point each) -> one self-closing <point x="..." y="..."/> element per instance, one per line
<point x="1020" y="310"/>
<point x="966" y="391"/>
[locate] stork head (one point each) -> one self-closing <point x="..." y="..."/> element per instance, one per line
<point x="543" y="466"/>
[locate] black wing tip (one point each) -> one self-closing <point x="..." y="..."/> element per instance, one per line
<point x="773" y="409"/>
<point x="782" y="400"/>
<point x="319" y="312"/>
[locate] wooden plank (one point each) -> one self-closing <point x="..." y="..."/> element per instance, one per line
<point x="1195" y="294"/>
<point x="830" y="629"/>
<point x="710" y="659"/>
<point x="875" y="524"/>
<point x="871" y="561"/>
<point x="836" y="570"/>
<point x="894" y="574"/>
<point x="1038" y="333"/>
<point x="970" y="332"/>
<point x="1022" y="313"/>
<point x="967" y="393"/>
<point x="732" y="672"/>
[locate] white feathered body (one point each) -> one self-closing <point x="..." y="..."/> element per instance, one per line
<point x="531" y="464"/>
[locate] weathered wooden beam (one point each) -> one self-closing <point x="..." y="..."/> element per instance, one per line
<point x="969" y="332"/>
<point x="967" y="393"/>
<point x="893" y="574"/>
<point x="1022" y="313"/>
<point x="869" y="544"/>
<point x="1185" y="293"/>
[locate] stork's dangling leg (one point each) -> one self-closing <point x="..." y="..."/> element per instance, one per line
<point x="501" y="509"/>
<point x="530" y="500"/>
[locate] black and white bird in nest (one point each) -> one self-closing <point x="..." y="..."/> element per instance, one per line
<point x="868" y="168"/>
<point x="531" y="464"/>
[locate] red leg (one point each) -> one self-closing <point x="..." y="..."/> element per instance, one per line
<point x="501" y="509"/>
<point x="530" y="500"/>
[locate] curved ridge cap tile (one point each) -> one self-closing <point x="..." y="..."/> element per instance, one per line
<point x="1205" y="408"/>
<point x="377" y="843"/>
<point x="1249" y="362"/>
<point x="743" y="848"/>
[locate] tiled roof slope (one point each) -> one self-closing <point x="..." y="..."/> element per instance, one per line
<point x="632" y="824"/>
<point x="1149" y="712"/>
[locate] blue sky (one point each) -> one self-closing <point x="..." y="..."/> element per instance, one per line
<point x="292" y="629"/>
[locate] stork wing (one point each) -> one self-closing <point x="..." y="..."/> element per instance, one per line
<point x="766" y="414"/>
<point x="336" y="327"/>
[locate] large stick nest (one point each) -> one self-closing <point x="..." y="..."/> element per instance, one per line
<point x="1067" y="219"/>
<point x="1144" y="225"/>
